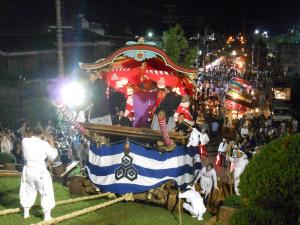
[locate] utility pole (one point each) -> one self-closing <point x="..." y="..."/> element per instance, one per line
<point x="252" y="58"/>
<point x="59" y="36"/>
<point x="171" y="10"/>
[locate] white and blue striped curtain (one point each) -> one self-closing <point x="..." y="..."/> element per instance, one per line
<point x="142" y="169"/>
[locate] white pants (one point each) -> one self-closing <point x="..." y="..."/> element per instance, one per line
<point x="206" y="185"/>
<point x="34" y="180"/>
<point x="105" y="120"/>
<point x="236" y="177"/>
<point x="194" y="211"/>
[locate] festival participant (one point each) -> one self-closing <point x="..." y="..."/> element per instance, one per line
<point x="182" y="126"/>
<point x="194" y="138"/>
<point x="99" y="111"/>
<point x="238" y="165"/>
<point x="194" y="202"/>
<point x="221" y="152"/>
<point x="169" y="105"/>
<point x="35" y="176"/>
<point x="193" y="143"/>
<point x="208" y="178"/>
<point x="121" y="120"/>
<point x="204" y="139"/>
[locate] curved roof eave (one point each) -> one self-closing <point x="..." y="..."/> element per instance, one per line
<point x="110" y="59"/>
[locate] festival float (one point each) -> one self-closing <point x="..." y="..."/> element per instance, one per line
<point x="238" y="96"/>
<point x="148" y="155"/>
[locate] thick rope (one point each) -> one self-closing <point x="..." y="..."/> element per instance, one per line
<point x="63" y="202"/>
<point x="82" y="212"/>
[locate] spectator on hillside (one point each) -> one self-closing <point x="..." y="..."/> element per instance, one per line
<point x="6" y="144"/>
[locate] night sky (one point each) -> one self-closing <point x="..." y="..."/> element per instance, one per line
<point x="137" y="17"/>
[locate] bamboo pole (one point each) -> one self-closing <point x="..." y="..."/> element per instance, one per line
<point x="63" y="202"/>
<point x="179" y="207"/>
<point x="81" y="212"/>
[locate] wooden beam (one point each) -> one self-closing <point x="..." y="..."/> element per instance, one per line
<point x="133" y="133"/>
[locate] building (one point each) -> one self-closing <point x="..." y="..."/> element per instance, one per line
<point x="285" y="49"/>
<point x="31" y="55"/>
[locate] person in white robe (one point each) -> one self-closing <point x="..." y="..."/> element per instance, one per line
<point x="208" y="179"/>
<point x="239" y="163"/>
<point x="194" y="202"/>
<point x="204" y="139"/>
<point x="193" y="143"/>
<point x="35" y="176"/>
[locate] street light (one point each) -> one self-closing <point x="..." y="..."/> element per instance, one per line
<point x="150" y="34"/>
<point x="234" y="53"/>
<point x="256" y="31"/>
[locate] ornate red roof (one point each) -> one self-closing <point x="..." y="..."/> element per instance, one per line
<point x="138" y="47"/>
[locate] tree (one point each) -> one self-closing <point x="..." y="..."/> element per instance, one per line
<point x="271" y="185"/>
<point x="175" y="44"/>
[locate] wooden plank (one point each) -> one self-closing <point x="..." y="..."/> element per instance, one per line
<point x="130" y="132"/>
<point x="8" y="174"/>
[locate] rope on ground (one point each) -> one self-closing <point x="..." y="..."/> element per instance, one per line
<point x="82" y="212"/>
<point x="63" y="202"/>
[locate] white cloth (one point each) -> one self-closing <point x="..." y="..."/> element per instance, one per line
<point x="105" y="120"/>
<point x="204" y="139"/>
<point x="239" y="166"/>
<point x="194" y="138"/>
<point x="195" y="206"/>
<point x="222" y="147"/>
<point x="207" y="180"/>
<point x="35" y="176"/>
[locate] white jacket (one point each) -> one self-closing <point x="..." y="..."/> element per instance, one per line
<point x="222" y="147"/>
<point x="194" y="138"/>
<point x="36" y="151"/>
<point x="204" y="139"/>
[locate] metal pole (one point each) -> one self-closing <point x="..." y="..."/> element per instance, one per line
<point x="59" y="36"/>
<point x="252" y="58"/>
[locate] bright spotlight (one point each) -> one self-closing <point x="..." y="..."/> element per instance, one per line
<point x="150" y="34"/>
<point x="73" y="94"/>
<point x="256" y="31"/>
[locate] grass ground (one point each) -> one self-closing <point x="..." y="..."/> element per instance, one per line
<point x="124" y="213"/>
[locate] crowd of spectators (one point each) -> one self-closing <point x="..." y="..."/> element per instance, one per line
<point x="71" y="146"/>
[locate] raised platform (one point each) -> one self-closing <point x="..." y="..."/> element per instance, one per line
<point x="143" y="134"/>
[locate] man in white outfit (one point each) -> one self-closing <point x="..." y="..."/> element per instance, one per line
<point x="221" y="152"/>
<point x="204" y="139"/>
<point x="35" y="176"/>
<point x="238" y="165"/>
<point x="194" y="202"/>
<point x="208" y="179"/>
<point x="193" y="144"/>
